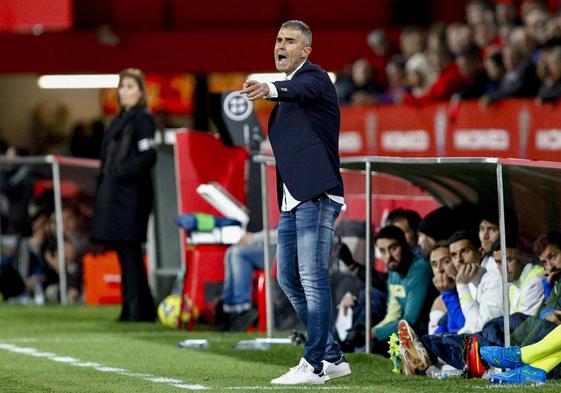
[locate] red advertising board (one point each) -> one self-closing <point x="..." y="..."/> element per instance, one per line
<point x="544" y="139"/>
<point x="492" y="132"/>
<point x="405" y="131"/>
<point x="35" y="16"/>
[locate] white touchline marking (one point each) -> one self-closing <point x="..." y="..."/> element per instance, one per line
<point x="110" y="369"/>
<point x="64" y="359"/>
<point x="100" y="367"/>
<point x="164" y="380"/>
<point x="292" y="387"/>
<point x="86" y="364"/>
<point x="42" y="354"/>
<point x="190" y="387"/>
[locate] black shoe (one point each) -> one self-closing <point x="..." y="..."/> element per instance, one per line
<point x="240" y="322"/>
<point x="297" y="338"/>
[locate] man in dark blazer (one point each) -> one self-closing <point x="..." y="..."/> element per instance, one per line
<point x="304" y="134"/>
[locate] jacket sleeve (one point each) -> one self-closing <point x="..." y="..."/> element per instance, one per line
<point x="416" y="293"/>
<point x="456" y="318"/>
<point x="531" y="297"/>
<point x="486" y="306"/>
<point x="143" y="155"/>
<point x="305" y="87"/>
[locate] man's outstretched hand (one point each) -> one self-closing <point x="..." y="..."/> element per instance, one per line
<point x="255" y="90"/>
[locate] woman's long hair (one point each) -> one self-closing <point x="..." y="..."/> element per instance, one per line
<point x="138" y="76"/>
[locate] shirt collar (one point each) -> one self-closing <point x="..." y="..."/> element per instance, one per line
<point x="289" y="76"/>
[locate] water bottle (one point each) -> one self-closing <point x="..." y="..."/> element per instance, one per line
<point x="38" y="295"/>
<point x="193" y="343"/>
<point x="444" y="373"/>
<point x="252" y="344"/>
<point x="451" y="373"/>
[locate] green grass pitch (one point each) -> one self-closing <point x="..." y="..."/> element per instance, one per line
<point x="83" y="349"/>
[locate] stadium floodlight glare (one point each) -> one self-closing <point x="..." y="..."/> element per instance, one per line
<point x="90" y="81"/>
<point x="278" y="76"/>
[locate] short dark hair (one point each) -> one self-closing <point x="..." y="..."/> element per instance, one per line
<point x="491" y="214"/>
<point x="412" y="217"/>
<point x="439" y="244"/>
<point x="138" y="76"/>
<point x="391" y="232"/>
<point x="301" y="27"/>
<point x="543" y="240"/>
<point x="465" y="235"/>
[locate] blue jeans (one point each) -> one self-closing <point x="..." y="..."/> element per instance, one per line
<point x="305" y="240"/>
<point x="240" y="263"/>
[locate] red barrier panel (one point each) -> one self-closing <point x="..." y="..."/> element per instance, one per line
<point x="492" y="132"/>
<point x="358" y="131"/>
<point x="544" y="139"/>
<point x="406" y="131"/>
<point x="515" y="128"/>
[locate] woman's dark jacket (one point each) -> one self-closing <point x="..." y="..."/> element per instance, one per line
<point x="124" y="188"/>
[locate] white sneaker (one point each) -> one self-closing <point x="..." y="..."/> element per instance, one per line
<point x="301" y="374"/>
<point x="338" y="369"/>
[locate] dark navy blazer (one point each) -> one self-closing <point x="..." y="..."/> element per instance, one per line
<point x="304" y="134"/>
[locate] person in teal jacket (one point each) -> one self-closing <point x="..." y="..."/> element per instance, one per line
<point x="410" y="289"/>
<point x="409" y="296"/>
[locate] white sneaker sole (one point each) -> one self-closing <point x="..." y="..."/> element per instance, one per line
<point x="338" y="374"/>
<point x="299" y="383"/>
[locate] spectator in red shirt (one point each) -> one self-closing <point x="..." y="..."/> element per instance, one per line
<point x="380" y="56"/>
<point x="448" y="80"/>
<point x="420" y="75"/>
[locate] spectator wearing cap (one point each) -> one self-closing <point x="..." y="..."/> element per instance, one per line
<point x="437" y="225"/>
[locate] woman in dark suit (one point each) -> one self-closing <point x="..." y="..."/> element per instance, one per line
<point x="124" y="193"/>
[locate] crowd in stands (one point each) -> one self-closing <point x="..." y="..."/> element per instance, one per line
<point x="504" y="49"/>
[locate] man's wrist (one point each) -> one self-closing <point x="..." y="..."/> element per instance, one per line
<point x="273" y="93"/>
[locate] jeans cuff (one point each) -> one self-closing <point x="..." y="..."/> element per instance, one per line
<point x="236" y="308"/>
